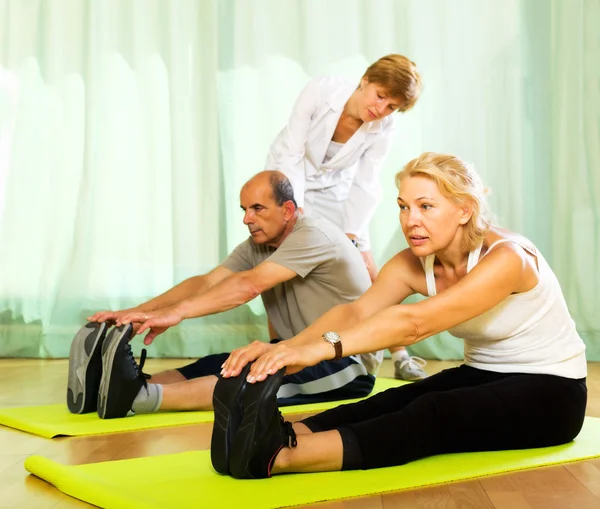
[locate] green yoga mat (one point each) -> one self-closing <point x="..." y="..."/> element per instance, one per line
<point x="187" y="480"/>
<point x="55" y="420"/>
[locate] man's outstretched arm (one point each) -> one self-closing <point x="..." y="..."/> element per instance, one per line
<point x="233" y="291"/>
<point x="236" y="290"/>
<point x="186" y="289"/>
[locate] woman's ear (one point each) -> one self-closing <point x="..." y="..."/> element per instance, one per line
<point x="466" y="213"/>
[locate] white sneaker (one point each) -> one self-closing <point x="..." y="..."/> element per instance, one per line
<point x="410" y="369"/>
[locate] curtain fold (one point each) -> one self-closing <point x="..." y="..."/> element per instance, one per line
<point x="128" y="127"/>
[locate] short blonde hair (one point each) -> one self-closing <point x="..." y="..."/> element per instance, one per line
<point x="459" y="182"/>
<point x="399" y="76"/>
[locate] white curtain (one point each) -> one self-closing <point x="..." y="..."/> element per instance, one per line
<point x="128" y="127"/>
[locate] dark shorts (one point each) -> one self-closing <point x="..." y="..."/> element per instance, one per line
<point x="326" y="381"/>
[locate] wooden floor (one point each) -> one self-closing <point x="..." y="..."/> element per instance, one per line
<point x="37" y="382"/>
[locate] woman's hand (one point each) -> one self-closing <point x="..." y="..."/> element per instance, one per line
<point x="242" y="356"/>
<point x="293" y="357"/>
<point x="156" y="322"/>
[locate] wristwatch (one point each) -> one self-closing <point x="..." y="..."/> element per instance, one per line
<point x="334" y="339"/>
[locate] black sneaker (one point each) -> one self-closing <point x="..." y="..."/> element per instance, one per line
<point x="228" y="417"/>
<point x="122" y="378"/>
<point x="262" y="433"/>
<point x="85" y="368"/>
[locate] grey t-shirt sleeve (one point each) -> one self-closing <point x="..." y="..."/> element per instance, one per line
<point x="304" y="250"/>
<point x="240" y="258"/>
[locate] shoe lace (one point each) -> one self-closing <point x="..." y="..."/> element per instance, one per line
<point x="414" y="363"/>
<point x="289" y="431"/>
<point x="138" y="367"/>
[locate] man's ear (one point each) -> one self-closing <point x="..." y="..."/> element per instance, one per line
<point x="289" y="210"/>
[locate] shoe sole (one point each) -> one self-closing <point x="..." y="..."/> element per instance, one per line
<point x="85" y="353"/>
<point x="255" y="397"/>
<point x="109" y="349"/>
<point x="410" y="379"/>
<point x="228" y="417"/>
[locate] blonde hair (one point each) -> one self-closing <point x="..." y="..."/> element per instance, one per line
<point x="399" y="76"/>
<point x="459" y="182"/>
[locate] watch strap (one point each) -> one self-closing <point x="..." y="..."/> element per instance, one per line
<point x="338" y="350"/>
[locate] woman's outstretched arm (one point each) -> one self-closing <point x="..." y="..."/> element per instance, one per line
<point x="496" y="277"/>
<point x="394" y="284"/>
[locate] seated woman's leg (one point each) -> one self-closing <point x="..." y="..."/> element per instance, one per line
<point x="341" y="451"/>
<point x="515" y="411"/>
<point x="509" y="411"/>
<point x="392" y="400"/>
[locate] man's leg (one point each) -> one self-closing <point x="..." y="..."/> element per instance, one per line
<point x="191" y="387"/>
<point x="208" y="365"/>
<point x="326" y="381"/>
<point x="170" y="376"/>
<point x="195" y="394"/>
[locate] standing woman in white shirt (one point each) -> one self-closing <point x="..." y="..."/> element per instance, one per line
<point x="333" y="148"/>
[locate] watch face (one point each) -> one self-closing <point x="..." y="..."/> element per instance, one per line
<point x="332" y="337"/>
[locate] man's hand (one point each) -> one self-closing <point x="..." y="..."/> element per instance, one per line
<point x="110" y="316"/>
<point x="156" y="322"/>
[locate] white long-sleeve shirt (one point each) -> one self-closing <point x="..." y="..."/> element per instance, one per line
<point x="353" y="173"/>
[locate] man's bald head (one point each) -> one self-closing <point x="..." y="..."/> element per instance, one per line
<point x="270" y="210"/>
<point x="281" y="188"/>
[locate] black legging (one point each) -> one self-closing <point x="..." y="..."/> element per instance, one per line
<point x="461" y="409"/>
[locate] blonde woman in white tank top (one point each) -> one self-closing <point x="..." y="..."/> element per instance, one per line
<point x="522" y="384"/>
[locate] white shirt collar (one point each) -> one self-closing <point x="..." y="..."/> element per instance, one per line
<point x="339" y="98"/>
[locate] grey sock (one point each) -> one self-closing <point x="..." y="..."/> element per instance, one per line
<point x="148" y="399"/>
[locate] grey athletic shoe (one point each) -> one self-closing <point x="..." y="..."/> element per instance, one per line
<point x="410" y="369"/>
<point x="85" y="368"/>
<point x="122" y="377"/>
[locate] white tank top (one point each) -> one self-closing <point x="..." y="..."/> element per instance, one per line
<point x="529" y="332"/>
<point x="332" y="149"/>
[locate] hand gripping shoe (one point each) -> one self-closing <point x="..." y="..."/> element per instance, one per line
<point x="85" y="368"/>
<point x="227" y="404"/>
<point x="122" y="378"/>
<point x="262" y="433"/>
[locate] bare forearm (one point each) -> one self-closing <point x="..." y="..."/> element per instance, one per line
<point x="391" y="327"/>
<point x="342" y="316"/>
<point x="177" y="294"/>
<point x="228" y="294"/>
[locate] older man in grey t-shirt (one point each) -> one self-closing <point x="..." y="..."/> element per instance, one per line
<point x="301" y="266"/>
<point x="330" y="271"/>
<point x="328" y="267"/>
